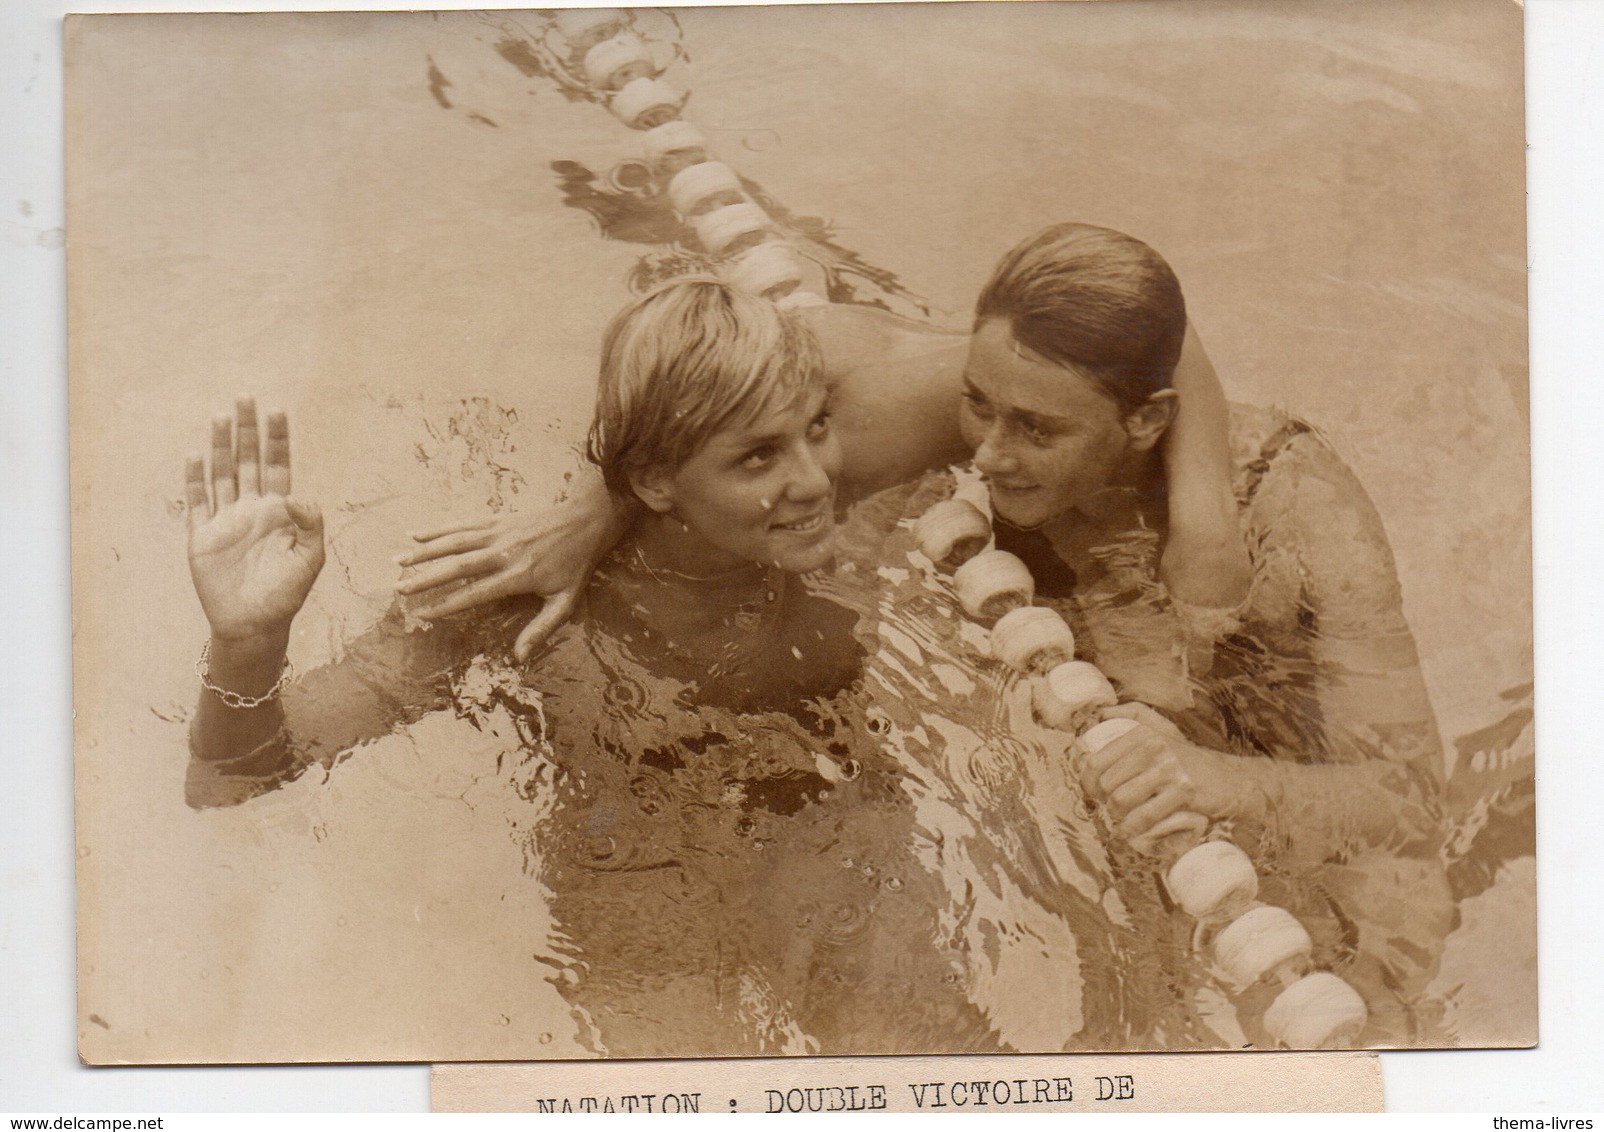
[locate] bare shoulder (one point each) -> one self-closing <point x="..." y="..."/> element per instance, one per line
<point x="895" y="386"/>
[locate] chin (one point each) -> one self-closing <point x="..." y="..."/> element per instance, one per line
<point x="1025" y="518"/>
<point x="807" y="561"/>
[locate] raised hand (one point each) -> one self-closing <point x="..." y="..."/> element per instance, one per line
<point x="549" y="553"/>
<point x="253" y="551"/>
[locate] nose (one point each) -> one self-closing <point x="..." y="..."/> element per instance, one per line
<point x="810" y="479"/>
<point x="994" y="456"/>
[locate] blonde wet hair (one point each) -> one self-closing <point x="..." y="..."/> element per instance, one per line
<point x="686" y="361"/>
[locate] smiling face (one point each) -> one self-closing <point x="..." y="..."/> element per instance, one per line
<point x="759" y="491"/>
<point x="1047" y="439"/>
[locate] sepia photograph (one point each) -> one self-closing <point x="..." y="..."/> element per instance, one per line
<point x="820" y="530"/>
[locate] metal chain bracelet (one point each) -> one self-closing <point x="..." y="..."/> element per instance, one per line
<point x="234" y="699"/>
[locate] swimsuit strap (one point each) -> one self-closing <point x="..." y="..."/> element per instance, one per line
<point x="1272" y="447"/>
<point x="1054" y="577"/>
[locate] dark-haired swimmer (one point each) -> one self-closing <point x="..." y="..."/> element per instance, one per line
<point x="1304" y="718"/>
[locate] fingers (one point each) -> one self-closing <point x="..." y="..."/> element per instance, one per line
<point x="308" y="520"/>
<point x="225" y="488"/>
<point x="450" y="529"/>
<point x="247" y="447"/>
<point x="1139" y="789"/>
<point x="276" y="455"/>
<point x="1094" y="764"/>
<point x="1144" y="752"/>
<point x="243" y="464"/>
<point x="306" y="516"/>
<point x="1147" y="716"/>
<point x="1183" y="824"/>
<point x="446" y="543"/>
<point x="460" y="568"/>
<point x="200" y="508"/>
<point x="1120" y="761"/>
<point x="478" y="593"/>
<point x="1141" y="821"/>
<point x="557" y="609"/>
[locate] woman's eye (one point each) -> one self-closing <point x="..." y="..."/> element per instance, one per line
<point x="1035" y="433"/>
<point x="758" y="458"/>
<point x="977" y="405"/>
<point x="820" y="427"/>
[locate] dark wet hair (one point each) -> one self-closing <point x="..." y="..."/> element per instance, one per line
<point x="1095" y="301"/>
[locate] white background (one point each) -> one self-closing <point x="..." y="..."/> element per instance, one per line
<point x="38" y="1066"/>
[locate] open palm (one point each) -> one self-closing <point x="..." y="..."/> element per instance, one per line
<point x="253" y="551"/>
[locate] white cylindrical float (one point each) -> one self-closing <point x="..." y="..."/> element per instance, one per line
<point x="615" y="62"/>
<point x="770" y="270"/>
<point x="992" y="583"/>
<point x="1032" y="639"/>
<point x="1262" y="941"/>
<point x="1071" y="695"/>
<point x="733" y="228"/>
<point x="1319" y="1011"/>
<point x="583" y="28"/>
<point x="1213" y="881"/>
<point x="631" y="177"/>
<point x="675" y="145"/>
<point x="952" y="532"/>
<point x="644" y="103"/>
<point x="701" y="188"/>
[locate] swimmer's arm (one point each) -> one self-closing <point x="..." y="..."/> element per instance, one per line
<point x="1150" y="779"/>
<point x="1381" y="779"/>
<point x="1319" y="813"/>
<point x="1378" y="779"/>
<point x="894" y="388"/>
<point x="228" y="745"/>
<point x="385" y="678"/>
<point x="254" y="554"/>
<point x="548" y="552"/>
<point x="1205" y="562"/>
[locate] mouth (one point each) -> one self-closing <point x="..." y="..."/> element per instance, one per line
<point x="810" y="525"/>
<point x="1009" y="488"/>
<point x="1014" y="502"/>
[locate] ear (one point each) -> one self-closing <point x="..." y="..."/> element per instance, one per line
<point x="1148" y="424"/>
<point x="654" y="487"/>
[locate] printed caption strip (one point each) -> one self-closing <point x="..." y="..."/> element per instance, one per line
<point x="1249" y="1082"/>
